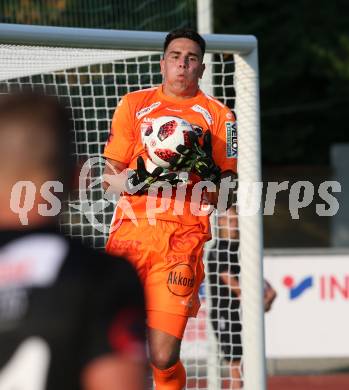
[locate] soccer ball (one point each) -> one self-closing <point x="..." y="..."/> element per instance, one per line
<point x="161" y="138"/>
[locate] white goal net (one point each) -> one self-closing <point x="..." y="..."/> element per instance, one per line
<point x="92" y="81"/>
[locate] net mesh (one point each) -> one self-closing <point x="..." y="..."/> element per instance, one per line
<point x="92" y="82"/>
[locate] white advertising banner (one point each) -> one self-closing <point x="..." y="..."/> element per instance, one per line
<point x="310" y="316"/>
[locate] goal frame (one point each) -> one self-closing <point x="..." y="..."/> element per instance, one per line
<point x="244" y="48"/>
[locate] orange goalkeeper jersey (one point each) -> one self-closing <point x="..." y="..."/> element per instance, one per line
<point x="135" y="112"/>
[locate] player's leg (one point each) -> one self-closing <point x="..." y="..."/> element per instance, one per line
<point x="232" y="344"/>
<point x="236" y="375"/>
<point x="164" y="348"/>
<point x="168" y="258"/>
<point x="171" y="286"/>
<point x="165" y="329"/>
<point x="225" y="321"/>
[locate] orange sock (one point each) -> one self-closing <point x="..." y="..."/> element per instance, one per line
<point x="173" y="378"/>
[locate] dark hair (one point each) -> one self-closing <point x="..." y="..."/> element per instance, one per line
<point x="42" y="114"/>
<point x="185" y="33"/>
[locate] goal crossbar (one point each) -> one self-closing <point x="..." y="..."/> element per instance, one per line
<point x="17" y="34"/>
<point x="246" y="85"/>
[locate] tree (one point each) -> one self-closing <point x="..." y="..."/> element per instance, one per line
<point x="304" y="72"/>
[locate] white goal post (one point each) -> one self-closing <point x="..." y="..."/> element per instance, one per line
<point x="92" y="69"/>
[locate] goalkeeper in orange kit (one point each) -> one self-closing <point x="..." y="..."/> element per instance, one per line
<point x="168" y="253"/>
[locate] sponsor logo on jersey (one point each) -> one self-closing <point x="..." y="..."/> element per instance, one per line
<point x="180" y="280"/>
<point x="203" y="112"/>
<point x="129" y="248"/>
<point x="146" y="110"/>
<point x="176" y="258"/>
<point x="232" y="141"/>
<point x="173" y="109"/>
<point x="184" y="244"/>
<point x="148" y="120"/>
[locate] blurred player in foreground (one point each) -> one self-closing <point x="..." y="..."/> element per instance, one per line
<point x="224" y="271"/>
<point x="168" y="253"/>
<point x="70" y="317"/>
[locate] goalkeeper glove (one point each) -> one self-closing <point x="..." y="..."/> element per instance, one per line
<point x="140" y="179"/>
<point x="197" y="159"/>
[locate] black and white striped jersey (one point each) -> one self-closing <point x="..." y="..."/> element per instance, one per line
<point x="61" y="306"/>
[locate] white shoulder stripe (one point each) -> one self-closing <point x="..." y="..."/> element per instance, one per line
<point x="146" y="110"/>
<point x="33" y="260"/>
<point x="215" y="100"/>
<point x="203" y="112"/>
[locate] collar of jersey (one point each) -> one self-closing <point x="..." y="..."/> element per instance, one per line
<point x="9" y="235"/>
<point x="184" y="102"/>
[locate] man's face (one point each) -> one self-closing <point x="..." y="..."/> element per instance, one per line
<point x="182" y="67"/>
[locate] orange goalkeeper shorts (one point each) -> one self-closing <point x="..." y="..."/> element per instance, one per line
<point x="168" y="258"/>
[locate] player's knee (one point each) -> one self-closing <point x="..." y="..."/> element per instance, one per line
<point x="163" y="359"/>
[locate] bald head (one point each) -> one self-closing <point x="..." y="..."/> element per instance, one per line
<point x="34" y="138"/>
<point x="35" y="159"/>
